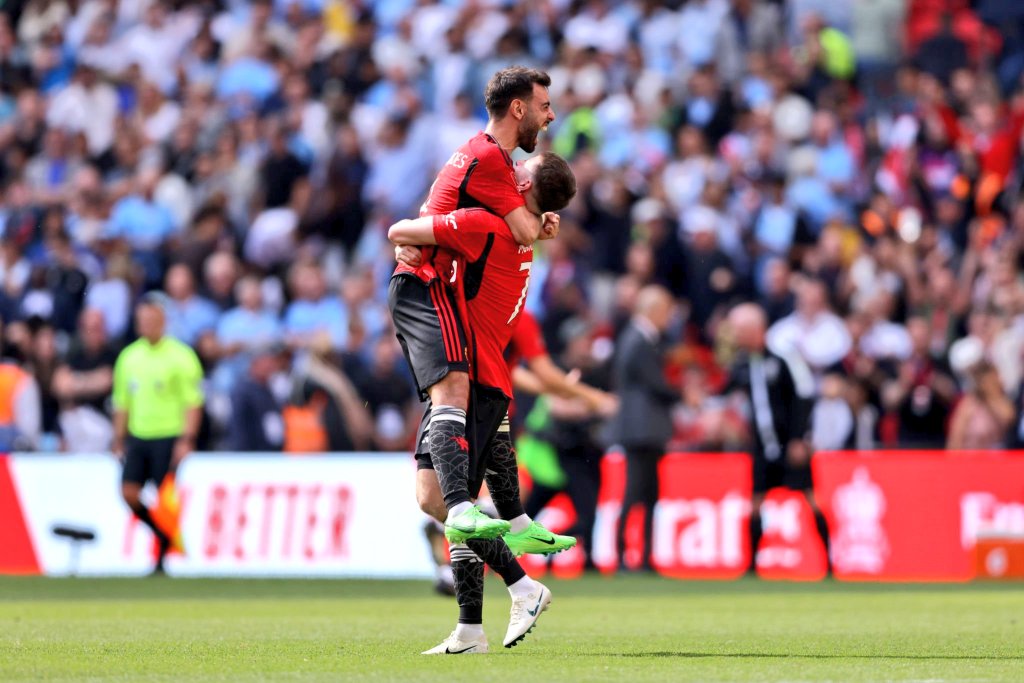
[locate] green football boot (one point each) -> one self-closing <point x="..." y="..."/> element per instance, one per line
<point x="537" y="540"/>
<point x="473" y="524"/>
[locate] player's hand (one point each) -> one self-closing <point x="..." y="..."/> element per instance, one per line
<point x="606" y="405"/>
<point x="549" y="225"/>
<point x="117" y="449"/>
<point x="410" y="256"/>
<point x="798" y="453"/>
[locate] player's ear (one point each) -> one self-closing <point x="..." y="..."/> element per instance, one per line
<point x="518" y="108"/>
<point x="524" y="185"/>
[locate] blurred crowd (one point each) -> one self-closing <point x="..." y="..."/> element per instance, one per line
<point x="854" y="167"/>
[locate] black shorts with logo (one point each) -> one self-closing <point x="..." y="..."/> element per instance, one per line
<point x="488" y="408"/>
<point x="147" y="460"/>
<point x="428" y="327"/>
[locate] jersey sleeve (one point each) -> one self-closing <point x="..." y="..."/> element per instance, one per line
<point x="528" y="339"/>
<point x="465" y="232"/>
<point x="190" y="380"/>
<point x="493" y="182"/>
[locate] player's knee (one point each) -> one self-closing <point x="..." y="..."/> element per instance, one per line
<point x="130" y="494"/>
<point x="453" y="390"/>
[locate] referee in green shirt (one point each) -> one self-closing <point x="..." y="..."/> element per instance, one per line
<point x="158" y="404"/>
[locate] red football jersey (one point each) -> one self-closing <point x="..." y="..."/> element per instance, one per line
<point x="478" y="175"/>
<point x="527" y="341"/>
<point x="495" y="281"/>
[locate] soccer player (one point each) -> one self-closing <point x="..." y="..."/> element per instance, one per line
<point x="495" y="286"/>
<point x="428" y="312"/>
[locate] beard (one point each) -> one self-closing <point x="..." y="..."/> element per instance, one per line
<point x="527" y="136"/>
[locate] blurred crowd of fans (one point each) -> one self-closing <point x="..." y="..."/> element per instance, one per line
<point x="854" y="167"/>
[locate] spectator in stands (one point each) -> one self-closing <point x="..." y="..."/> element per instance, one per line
<point x="256" y="422"/>
<point x="82" y="385"/>
<point x="191" y="318"/>
<point x="312" y="311"/>
<point x="983" y="416"/>
<point x="812" y="331"/>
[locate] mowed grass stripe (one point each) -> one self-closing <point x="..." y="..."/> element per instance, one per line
<point x="631" y="629"/>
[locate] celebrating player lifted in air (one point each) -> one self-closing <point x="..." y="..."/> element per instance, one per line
<point x="428" y="314"/>
<point x="494" y="288"/>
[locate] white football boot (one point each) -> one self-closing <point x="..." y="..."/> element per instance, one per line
<point x="526" y="610"/>
<point x="453" y="645"/>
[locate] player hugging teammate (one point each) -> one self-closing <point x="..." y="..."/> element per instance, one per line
<point x="455" y="304"/>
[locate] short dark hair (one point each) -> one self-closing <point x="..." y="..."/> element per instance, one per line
<point x="554" y="183"/>
<point x="512" y="83"/>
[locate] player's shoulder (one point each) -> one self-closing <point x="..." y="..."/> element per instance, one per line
<point x="487" y="150"/>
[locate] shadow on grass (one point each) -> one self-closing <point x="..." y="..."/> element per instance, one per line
<point x="781" y="655"/>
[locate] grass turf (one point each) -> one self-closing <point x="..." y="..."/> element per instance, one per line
<point x="624" y="629"/>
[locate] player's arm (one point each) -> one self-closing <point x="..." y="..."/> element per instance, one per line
<point x="494" y="186"/>
<point x="412" y="231"/>
<point x="567" y="385"/>
<point x="528" y="227"/>
<point x="524" y="380"/>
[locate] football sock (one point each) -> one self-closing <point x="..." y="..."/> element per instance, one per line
<point x="468" y="571"/>
<point x="756" y="531"/>
<point x="502" y="476"/>
<point x="449" y="452"/>
<point x="498" y="557"/>
<point x="459" y="508"/>
<point x="469" y="631"/>
<point x="822" y="526"/>
<point x="142" y="512"/>
<point x="520" y="523"/>
<point x="522" y="587"/>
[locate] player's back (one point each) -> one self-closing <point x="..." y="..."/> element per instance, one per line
<point x="495" y="280"/>
<point x="479" y="174"/>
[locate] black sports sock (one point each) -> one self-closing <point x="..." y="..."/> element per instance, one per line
<point x="142" y="512"/>
<point x="498" y="557"/>
<point x="468" y="572"/>
<point x="449" y="452"/>
<point x="502" y="474"/>
<point x="822" y="525"/>
<point x="756" y="531"/>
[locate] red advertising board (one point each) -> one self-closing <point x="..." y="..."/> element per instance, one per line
<point x="790" y="547"/>
<point x="701" y="522"/>
<point x="915" y="516"/>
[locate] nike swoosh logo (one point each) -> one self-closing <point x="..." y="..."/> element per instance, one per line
<point x="449" y="651"/>
<point x="544" y="540"/>
<point x="533" y="612"/>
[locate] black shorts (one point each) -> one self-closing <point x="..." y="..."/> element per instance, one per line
<point x="770" y="474"/>
<point x="488" y="412"/>
<point x="428" y="327"/>
<point x="147" y="460"/>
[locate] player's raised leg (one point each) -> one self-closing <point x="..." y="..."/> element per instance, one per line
<point x="502" y="476"/>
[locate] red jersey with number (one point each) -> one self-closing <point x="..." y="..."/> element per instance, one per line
<point x="479" y="174"/>
<point x="495" y="280"/>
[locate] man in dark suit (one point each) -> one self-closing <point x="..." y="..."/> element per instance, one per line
<point x="643" y="424"/>
<point x="780" y="392"/>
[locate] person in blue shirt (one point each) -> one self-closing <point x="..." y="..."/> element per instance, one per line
<point x="189" y="316"/>
<point x="241" y="330"/>
<point x="312" y="312"/>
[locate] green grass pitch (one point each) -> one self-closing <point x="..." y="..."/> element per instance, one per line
<point x="624" y="629"/>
